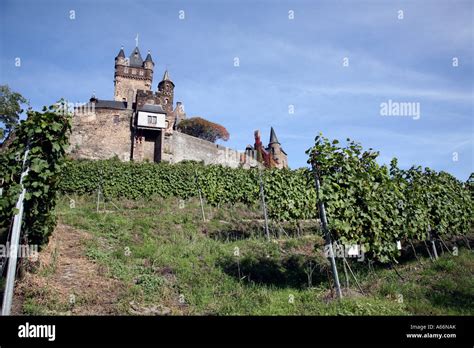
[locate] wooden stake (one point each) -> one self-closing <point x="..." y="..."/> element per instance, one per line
<point x="414" y="251"/>
<point x="428" y="250"/>
<point x="200" y="196"/>
<point x="353" y="276"/>
<point x="264" y="206"/>
<point x="443" y="243"/>
<point x="329" y="244"/>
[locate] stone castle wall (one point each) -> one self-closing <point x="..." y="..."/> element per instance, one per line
<point x="179" y="147"/>
<point x="101" y="134"/>
<point x="126" y="88"/>
<point x="106" y="133"/>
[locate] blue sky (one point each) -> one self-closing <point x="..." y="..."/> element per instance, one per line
<point x="283" y="62"/>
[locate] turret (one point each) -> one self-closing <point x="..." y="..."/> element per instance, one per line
<point x="274" y="145"/>
<point x="149" y="64"/>
<point x="166" y="89"/>
<point x="273" y="137"/>
<point x="120" y="59"/>
<point x="277" y="153"/>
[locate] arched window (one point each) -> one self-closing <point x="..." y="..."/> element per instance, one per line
<point x="116" y="119"/>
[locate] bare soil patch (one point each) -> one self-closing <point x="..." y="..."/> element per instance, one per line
<point x="64" y="281"/>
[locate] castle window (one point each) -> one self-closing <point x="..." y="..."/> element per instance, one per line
<point x="116" y="119"/>
<point x="152" y="120"/>
<point x="134" y="71"/>
<point x="141" y="72"/>
<point x="125" y="70"/>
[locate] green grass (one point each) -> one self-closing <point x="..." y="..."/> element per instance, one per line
<point x="165" y="254"/>
<point x="443" y="287"/>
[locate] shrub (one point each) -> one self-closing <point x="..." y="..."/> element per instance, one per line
<point x="203" y="129"/>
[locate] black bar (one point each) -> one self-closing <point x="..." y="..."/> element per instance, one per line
<point x="240" y="330"/>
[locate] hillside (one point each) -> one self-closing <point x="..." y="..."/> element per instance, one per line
<point x="157" y="257"/>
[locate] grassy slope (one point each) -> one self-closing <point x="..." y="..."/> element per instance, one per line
<point x="163" y="254"/>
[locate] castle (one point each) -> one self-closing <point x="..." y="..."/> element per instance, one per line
<point x="141" y="124"/>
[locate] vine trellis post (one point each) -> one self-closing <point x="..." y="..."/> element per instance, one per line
<point x="264" y="205"/>
<point x="15" y="240"/>
<point x="433" y="245"/>
<point x="200" y="195"/>
<point x="327" y="234"/>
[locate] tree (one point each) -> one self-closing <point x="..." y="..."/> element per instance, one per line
<point x="10" y="109"/>
<point x="203" y="129"/>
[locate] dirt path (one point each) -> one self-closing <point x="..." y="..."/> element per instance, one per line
<point x="64" y="281"/>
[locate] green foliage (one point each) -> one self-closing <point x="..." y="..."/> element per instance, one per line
<point x="290" y="195"/>
<point x="45" y="134"/>
<point x="433" y="201"/>
<point x="10" y="109"/>
<point x="203" y="129"/>
<point x="470" y="184"/>
<point x="367" y="203"/>
<point x="370" y="205"/>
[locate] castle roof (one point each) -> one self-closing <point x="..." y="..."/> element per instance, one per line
<point x="136" y="59"/>
<point x="148" y="57"/>
<point x="273" y="137"/>
<point x="166" y="76"/>
<point x="152" y="108"/>
<point x="121" y="54"/>
<point x="108" y="104"/>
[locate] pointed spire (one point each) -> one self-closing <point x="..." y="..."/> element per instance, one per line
<point x="273" y="137"/>
<point x="148" y="57"/>
<point x="136" y="59"/>
<point x="166" y="76"/>
<point x="121" y="53"/>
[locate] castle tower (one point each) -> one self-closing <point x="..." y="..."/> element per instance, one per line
<point x="132" y="74"/>
<point x="166" y="91"/>
<point x="277" y="153"/>
<point x="149" y="64"/>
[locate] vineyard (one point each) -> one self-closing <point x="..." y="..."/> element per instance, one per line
<point x="376" y="206"/>
<point x="368" y="204"/>
<point x="290" y="195"/>
<point x="157" y="256"/>
<point x="214" y="218"/>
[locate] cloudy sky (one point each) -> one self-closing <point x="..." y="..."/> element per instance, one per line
<point x="331" y="62"/>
